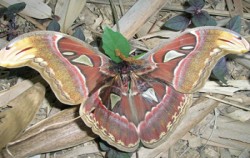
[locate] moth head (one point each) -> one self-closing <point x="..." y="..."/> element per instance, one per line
<point x="232" y="43"/>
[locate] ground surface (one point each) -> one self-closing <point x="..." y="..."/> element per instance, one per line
<point x="216" y="129"/>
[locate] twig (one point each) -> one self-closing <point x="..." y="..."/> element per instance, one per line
<point x="114" y="11"/>
<point x="216" y="114"/>
<point x="122" y="8"/>
<point x="223" y="101"/>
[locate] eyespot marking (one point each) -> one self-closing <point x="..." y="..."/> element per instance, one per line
<point x="187" y="47"/>
<point x="114" y="99"/>
<point x="68" y="53"/>
<point x="84" y="59"/>
<point x="172" y="54"/>
<point x="150" y="94"/>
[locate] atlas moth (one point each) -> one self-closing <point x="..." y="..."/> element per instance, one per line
<point x="125" y="103"/>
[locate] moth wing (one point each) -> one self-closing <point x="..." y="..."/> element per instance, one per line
<point x="71" y="67"/>
<point x="187" y="61"/>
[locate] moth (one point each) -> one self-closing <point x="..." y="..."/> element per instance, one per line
<point x="126" y="104"/>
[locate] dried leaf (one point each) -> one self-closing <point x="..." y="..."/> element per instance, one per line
<point x="235" y="7"/>
<point x="225" y="131"/>
<point x="240" y="115"/>
<point x="14" y="91"/>
<point x="2" y="42"/>
<point x="210" y="152"/>
<point x="68" y="11"/>
<point x="52" y="134"/>
<point x="36" y="9"/>
<point x="221" y="5"/>
<point x="224" y="153"/>
<point x="233" y="86"/>
<point x="195" y="142"/>
<point x="23" y="108"/>
<point x="245" y="154"/>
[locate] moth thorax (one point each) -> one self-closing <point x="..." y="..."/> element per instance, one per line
<point x="125" y="79"/>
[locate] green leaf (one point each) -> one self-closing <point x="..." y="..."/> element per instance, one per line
<point x="53" y="26"/>
<point x="203" y="19"/>
<point x="234" y="24"/>
<point x="220" y="70"/>
<point x="2" y="11"/>
<point x="114" y="40"/>
<point x="9" y="15"/>
<point x="198" y="4"/>
<point x="192" y="10"/>
<point x="104" y="146"/>
<point x="211" y="21"/>
<point x="113" y="153"/>
<point x="79" y="34"/>
<point x="179" y="22"/>
<point x="15" y="8"/>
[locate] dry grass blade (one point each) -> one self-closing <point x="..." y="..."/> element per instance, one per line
<point x="13" y="92"/>
<point x="54" y="133"/>
<point x="68" y="11"/>
<point x="81" y="150"/>
<point x="36" y="9"/>
<point x="235" y="7"/>
<point x="232" y="87"/>
<point x="136" y="16"/>
<point x="23" y="109"/>
<point x="226" y="102"/>
<point x="240" y="115"/>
